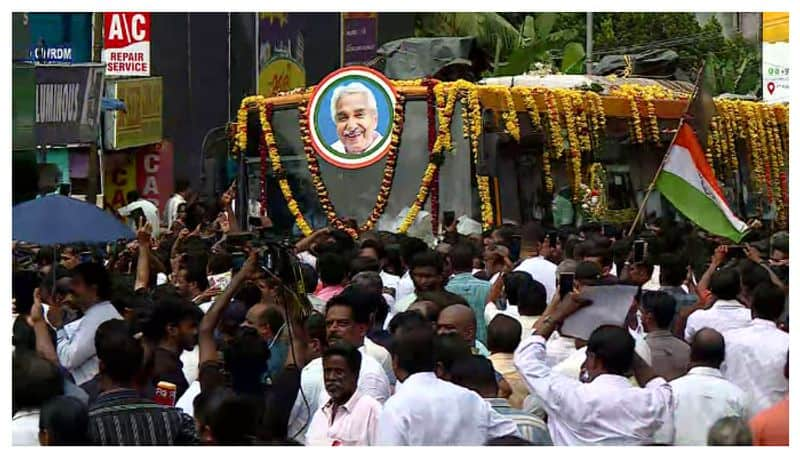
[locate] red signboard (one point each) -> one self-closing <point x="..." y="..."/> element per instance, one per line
<point x="126" y="44"/>
<point x="154" y="173"/>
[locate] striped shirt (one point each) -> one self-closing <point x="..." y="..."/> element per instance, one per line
<point x="122" y="417"/>
<point x="530" y="427"/>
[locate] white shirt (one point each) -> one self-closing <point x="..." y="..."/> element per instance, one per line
<point x="559" y="348"/>
<point x="700" y="398"/>
<point x="389" y="280"/>
<point x="150" y="213"/>
<point x="383" y="357"/>
<point x="543" y="271"/>
<point x="25" y="428"/>
<point x="723" y="316"/>
<point x="491" y="311"/>
<point x="426" y="411"/>
<point x="338" y="146"/>
<point x="355" y="423"/>
<point x="191" y="364"/>
<point x="171" y="209"/>
<point x="372" y="381"/>
<point x="186" y="402"/>
<point x="607" y="411"/>
<point x="75" y="346"/>
<point x="405" y="287"/>
<point x="755" y="357"/>
<point x="308" y="258"/>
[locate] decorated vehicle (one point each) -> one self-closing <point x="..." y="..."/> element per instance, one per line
<point x="357" y="121"/>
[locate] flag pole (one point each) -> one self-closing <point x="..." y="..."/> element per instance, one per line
<point x="652" y="185"/>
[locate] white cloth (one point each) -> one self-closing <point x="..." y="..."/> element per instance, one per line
<point x="541" y="270"/>
<point x="426" y="411"/>
<point x="25" y="428"/>
<point x="405" y="287"/>
<point x="608" y="411"/>
<point x="383" y="357"/>
<point x="405" y="303"/>
<point x="171" y="209"/>
<point x="354" y="424"/>
<point x="655" y="280"/>
<point x="491" y="311"/>
<point x="389" y="280"/>
<point x="372" y="381"/>
<point x="559" y="348"/>
<point x="755" y="357"/>
<point x="494" y="278"/>
<point x="700" y="398"/>
<point x="75" y="346"/>
<point x="186" y="402"/>
<point x="724" y="315"/>
<point x="308" y="258"/>
<point x="150" y="213"/>
<point x="191" y="364"/>
<point x="338" y="146"/>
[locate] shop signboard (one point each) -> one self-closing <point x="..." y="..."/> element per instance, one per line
<point x="141" y="122"/>
<point x="68" y="103"/>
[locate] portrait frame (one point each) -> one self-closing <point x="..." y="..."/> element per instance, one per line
<point x="322" y="126"/>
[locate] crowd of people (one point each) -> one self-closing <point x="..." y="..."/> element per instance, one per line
<point x="191" y="334"/>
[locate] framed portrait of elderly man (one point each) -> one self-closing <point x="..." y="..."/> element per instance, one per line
<point x="350" y="117"/>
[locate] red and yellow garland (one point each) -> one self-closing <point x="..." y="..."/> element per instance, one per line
<point x="386" y="182"/>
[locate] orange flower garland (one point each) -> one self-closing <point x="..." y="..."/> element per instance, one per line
<point x="277" y="168"/>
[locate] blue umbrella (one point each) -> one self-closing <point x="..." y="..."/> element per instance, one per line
<point x="56" y="219"/>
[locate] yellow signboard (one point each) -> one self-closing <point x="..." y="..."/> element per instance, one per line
<point x="141" y="122"/>
<point x="775" y="27"/>
<point x="279" y="75"/>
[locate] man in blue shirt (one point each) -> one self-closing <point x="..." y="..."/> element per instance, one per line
<point x="463" y="283"/>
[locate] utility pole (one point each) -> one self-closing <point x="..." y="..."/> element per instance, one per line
<point x="589" y="43"/>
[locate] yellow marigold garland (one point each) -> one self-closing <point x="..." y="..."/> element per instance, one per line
<point x="581" y="120"/>
<point x="277" y="168"/>
<point x="574" y="142"/>
<point x="473" y="127"/>
<point x="445" y="106"/>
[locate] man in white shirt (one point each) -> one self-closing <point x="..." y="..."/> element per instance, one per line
<point x="534" y="263"/>
<point x="755" y="355"/>
<point x="405" y="286"/>
<point x="592" y="413"/>
<point x="427" y="411"/>
<point x="346" y="319"/>
<point x="427" y="274"/>
<point x="75" y="347"/>
<point x="182" y="190"/>
<point x="527" y="300"/>
<point x="371" y="287"/>
<point x="34" y="382"/>
<point x="148" y="208"/>
<point x="354" y="111"/>
<point x="727" y="313"/>
<point x="702" y="396"/>
<point x="349" y="418"/>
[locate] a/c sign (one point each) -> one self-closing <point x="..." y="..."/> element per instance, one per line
<point x="126" y="44"/>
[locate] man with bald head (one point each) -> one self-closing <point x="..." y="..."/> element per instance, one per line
<point x="460" y="320"/>
<point x="703" y="395"/>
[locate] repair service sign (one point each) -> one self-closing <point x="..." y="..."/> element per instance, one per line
<point x="126" y="44"/>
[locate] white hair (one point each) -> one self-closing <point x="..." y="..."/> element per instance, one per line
<point x="350" y="89"/>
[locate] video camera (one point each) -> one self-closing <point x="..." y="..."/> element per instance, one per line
<point x="276" y="258"/>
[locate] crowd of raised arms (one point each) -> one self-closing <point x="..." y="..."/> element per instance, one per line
<point x="187" y="336"/>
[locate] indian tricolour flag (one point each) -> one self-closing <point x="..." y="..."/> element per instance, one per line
<point x="688" y="182"/>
